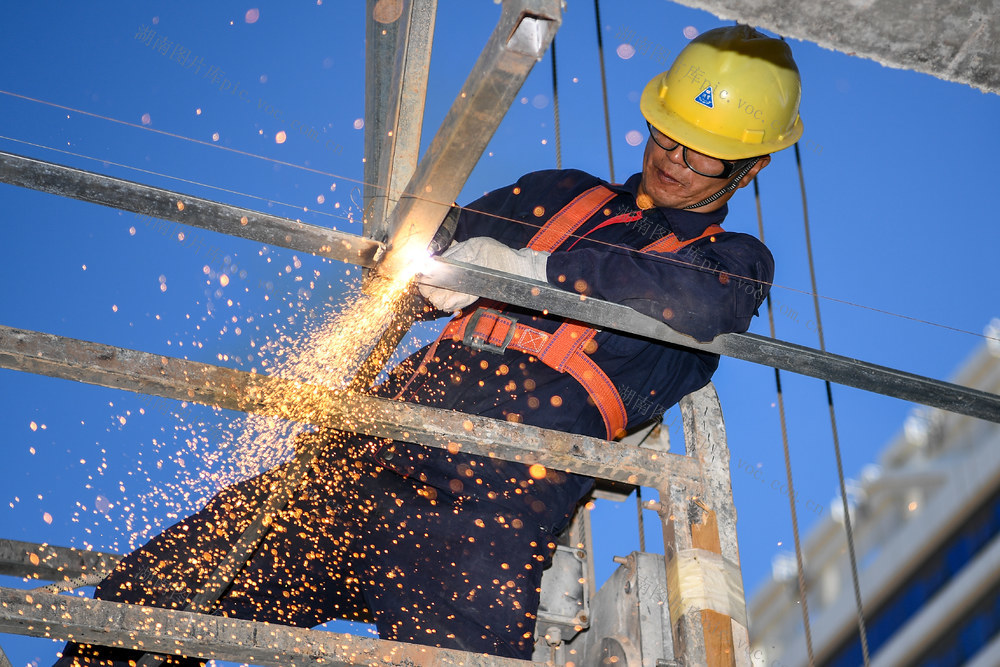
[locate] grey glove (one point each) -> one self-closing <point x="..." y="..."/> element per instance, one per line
<point x="491" y="254"/>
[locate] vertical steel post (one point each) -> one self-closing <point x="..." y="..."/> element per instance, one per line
<point x="707" y="604"/>
<point x="397" y="62"/>
<point x="523" y="33"/>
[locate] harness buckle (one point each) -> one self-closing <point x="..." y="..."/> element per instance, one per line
<point x="481" y="342"/>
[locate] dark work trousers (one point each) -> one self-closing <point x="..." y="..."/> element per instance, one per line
<point x="356" y="542"/>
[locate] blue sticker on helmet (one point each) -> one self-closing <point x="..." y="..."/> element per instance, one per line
<point x="705" y="98"/>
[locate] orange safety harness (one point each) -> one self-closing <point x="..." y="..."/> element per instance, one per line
<point x="567" y="349"/>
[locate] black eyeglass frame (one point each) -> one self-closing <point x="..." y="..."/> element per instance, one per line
<point x="728" y="166"/>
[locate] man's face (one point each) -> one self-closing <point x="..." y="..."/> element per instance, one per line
<point x="667" y="181"/>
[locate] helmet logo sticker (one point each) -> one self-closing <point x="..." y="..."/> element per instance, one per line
<point x="705" y="98"/>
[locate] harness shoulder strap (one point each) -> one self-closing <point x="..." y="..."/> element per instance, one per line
<point x="671" y="243"/>
<point x="560" y="226"/>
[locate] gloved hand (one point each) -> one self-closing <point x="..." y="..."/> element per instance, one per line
<point x="491" y="254"/>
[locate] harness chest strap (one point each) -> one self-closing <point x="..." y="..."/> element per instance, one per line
<point x="567" y="349"/>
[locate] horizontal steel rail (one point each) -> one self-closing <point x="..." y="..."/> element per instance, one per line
<point x="60" y="617"/>
<point x="504" y="287"/>
<point x="749" y="347"/>
<point x="244" y="223"/>
<point x="108" y="366"/>
<point x="49" y="563"/>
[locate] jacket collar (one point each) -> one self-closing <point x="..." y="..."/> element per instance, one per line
<point x="683" y="224"/>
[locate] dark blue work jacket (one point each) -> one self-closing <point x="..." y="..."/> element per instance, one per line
<point x="711" y="286"/>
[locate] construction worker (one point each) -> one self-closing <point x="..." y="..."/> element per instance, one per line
<point x="444" y="548"/>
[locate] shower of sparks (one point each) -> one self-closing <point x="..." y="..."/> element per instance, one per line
<point x="323" y="551"/>
<point x="318" y="366"/>
<point x="314" y="364"/>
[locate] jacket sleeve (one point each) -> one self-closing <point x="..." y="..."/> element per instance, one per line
<point x="703" y="290"/>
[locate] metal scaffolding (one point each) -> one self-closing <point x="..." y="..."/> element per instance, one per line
<point x="695" y="508"/>
<point x="405" y="202"/>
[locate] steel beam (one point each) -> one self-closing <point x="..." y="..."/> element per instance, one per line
<point x="749" y="347"/>
<point x="61" y="617"/>
<point x="49" y="563"/>
<point x="107" y="366"/>
<point x="203" y="213"/>
<point x="523" y="33"/>
<point x="395" y="96"/>
<point x="397" y="62"/>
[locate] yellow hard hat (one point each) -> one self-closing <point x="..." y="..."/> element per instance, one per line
<point x="732" y="93"/>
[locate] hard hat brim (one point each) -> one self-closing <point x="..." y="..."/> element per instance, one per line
<point x="656" y="110"/>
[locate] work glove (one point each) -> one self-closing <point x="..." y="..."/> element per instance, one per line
<point x="491" y="254"/>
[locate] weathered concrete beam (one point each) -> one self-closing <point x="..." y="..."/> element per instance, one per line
<point x="107" y="366"/>
<point x="49" y="563"/>
<point x="952" y="40"/>
<point x="212" y="637"/>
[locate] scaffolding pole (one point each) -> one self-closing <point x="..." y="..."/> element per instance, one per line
<point x="397" y="62"/>
<point x="771" y="352"/>
<point x="164" y="631"/>
<point x="183" y="380"/>
<point x="163" y="204"/>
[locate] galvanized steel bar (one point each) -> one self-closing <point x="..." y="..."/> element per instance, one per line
<point x="749" y="347"/>
<point x="48" y="563"/>
<point x="397" y="63"/>
<point x="952" y="40"/>
<point x="60" y="617"/>
<point x="194" y="211"/>
<point x="523" y="33"/>
<point x="395" y="96"/>
<point x="183" y="380"/>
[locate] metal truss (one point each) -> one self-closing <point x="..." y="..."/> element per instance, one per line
<point x="405" y="202"/>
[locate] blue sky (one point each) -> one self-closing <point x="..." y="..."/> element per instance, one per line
<point x="897" y="164"/>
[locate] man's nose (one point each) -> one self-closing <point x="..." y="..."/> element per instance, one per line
<point x="676" y="155"/>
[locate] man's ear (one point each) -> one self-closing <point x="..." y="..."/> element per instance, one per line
<point x="761" y="163"/>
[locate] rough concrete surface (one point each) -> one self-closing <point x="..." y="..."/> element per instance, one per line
<point x="955" y="41"/>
